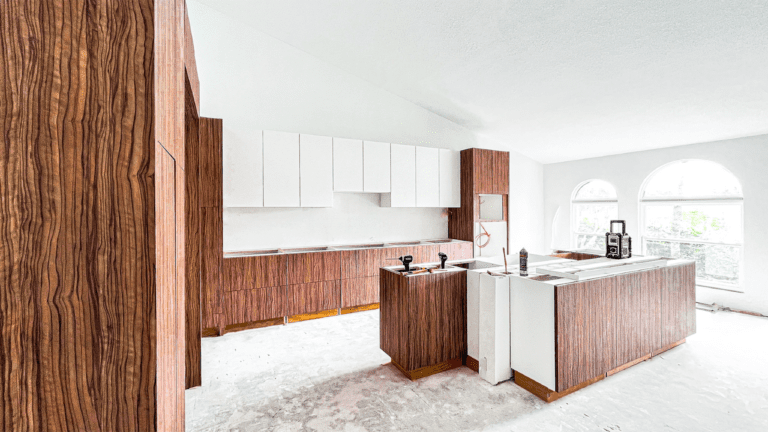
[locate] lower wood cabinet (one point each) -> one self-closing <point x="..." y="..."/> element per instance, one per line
<point x="313" y="297"/>
<point x="359" y="291"/>
<point x="248" y="305"/>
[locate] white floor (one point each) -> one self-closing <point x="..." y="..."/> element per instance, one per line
<point x="329" y="374"/>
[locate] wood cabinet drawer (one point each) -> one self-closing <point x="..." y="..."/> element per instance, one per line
<point x="359" y="291"/>
<point x="313" y="267"/>
<point x="244" y="306"/>
<point x="254" y="272"/>
<point x="360" y="263"/>
<point x="313" y="297"/>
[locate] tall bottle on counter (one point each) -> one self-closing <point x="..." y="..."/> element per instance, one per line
<point x="523" y="262"/>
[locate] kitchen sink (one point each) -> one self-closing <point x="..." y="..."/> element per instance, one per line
<point x="404" y="243"/>
<point x="438" y="241"/>
<point x="308" y="249"/>
<point x="360" y="246"/>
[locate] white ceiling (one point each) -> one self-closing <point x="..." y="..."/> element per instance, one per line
<point x="554" y="80"/>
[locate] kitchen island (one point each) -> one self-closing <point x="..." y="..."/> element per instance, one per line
<point x="571" y="322"/>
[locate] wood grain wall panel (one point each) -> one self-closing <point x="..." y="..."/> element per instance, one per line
<point x="631" y="329"/>
<point x="77" y="217"/>
<point x="192" y="241"/>
<point x="212" y="253"/>
<point x="254" y="272"/>
<point x="584" y="335"/>
<point x="244" y="306"/>
<point x="313" y="267"/>
<point x="461" y="220"/>
<point x="359" y="291"/>
<point x="360" y="263"/>
<point x="211" y="162"/>
<point x="190" y="64"/>
<point x="313" y="297"/>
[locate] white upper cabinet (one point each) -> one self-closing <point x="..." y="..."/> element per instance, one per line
<point x="427" y="177"/>
<point x="243" y="170"/>
<point x="281" y="169"/>
<point x="450" y="178"/>
<point x="376" y="167"/>
<point x="316" y="154"/>
<point x="403" y="177"/>
<point x="347" y="165"/>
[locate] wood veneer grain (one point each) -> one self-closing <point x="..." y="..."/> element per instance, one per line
<point x="678" y="282"/>
<point x="212" y="261"/>
<point x="255" y="272"/>
<point x="423" y="318"/>
<point x="87" y="258"/>
<point x="313" y="267"/>
<point x="313" y="297"/>
<point x="192" y="239"/>
<point x="585" y="341"/>
<point x="360" y="263"/>
<point x="190" y="64"/>
<point x="359" y="291"/>
<point x="250" y="305"/>
<point x="211" y="162"/>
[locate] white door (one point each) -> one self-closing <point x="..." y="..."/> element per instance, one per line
<point x="427" y="177"/>
<point x="376" y="169"/>
<point x="316" y="154"/>
<point x="347" y="165"/>
<point x="281" y="169"/>
<point x="450" y="178"/>
<point x="403" y="177"/>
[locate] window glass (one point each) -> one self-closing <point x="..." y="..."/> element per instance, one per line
<point x="692" y="179"/>
<point x="710" y="222"/>
<point x="595" y="190"/>
<point x="714" y="262"/>
<point x="590" y="223"/>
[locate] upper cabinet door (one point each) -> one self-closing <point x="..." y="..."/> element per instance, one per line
<point x="243" y="170"/>
<point x="427" y="177"/>
<point x="281" y="169"/>
<point x="376" y="167"/>
<point x="316" y="154"/>
<point x="403" y="177"/>
<point x="347" y="165"/>
<point x="450" y="178"/>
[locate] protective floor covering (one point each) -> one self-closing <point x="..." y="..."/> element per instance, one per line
<point x="329" y="375"/>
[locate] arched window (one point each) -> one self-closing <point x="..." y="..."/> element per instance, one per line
<point x="593" y="205"/>
<point x="694" y="209"/>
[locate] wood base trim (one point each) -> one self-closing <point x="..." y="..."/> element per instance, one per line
<point x="667" y="348"/>
<point x="629" y="365"/>
<point x="430" y="370"/>
<point x="546" y="394"/>
<point x="210" y="332"/>
<point x="313" y="315"/>
<point x="363" y="308"/>
<point x="253" y="325"/>
<point x="473" y="364"/>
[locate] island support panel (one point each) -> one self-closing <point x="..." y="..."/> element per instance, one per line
<point x="423" y="321"/>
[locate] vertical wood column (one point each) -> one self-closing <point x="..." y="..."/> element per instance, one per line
<point x="91" y="215"/>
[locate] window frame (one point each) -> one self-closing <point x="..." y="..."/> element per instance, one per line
<point x="576" y="201"/>
<point x="645" y="202"/>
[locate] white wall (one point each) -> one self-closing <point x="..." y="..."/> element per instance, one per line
<point x="746" y="158"/>
<point x="256" y="82"/>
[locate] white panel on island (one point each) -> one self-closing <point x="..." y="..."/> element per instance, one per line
<point x="281" y="169"/>
<point x="403" y="177"/>
<point x="316" y="153"/>
<point x="347" y="165"/>
<point x="450" y="178"/>
<point x="427" y="177"/>
<point x="243" y="169"/>
<point x="376" y="167"/>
